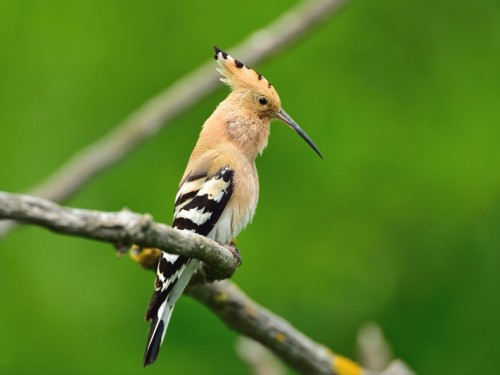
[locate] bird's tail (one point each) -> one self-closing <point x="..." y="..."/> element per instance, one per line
<point x="173" y="274"/>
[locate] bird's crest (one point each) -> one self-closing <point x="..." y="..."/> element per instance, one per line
<point x="237" y="75"/>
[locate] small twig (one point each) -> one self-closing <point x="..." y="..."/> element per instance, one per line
<point x="258" y="358"/>
<point x="397" y="367"/>
<point x="159" y="111"/>
<point x="376" y="352"/>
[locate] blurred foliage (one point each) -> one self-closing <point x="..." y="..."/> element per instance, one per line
<point x="399" y="223"/>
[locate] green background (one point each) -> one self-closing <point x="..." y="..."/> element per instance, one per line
<point x="399" y="224"/>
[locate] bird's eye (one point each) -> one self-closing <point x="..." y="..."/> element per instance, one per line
<point x="262" y="100"/>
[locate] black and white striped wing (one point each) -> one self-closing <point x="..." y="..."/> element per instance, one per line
<point x="201" y="200"/>
<point x="199" y="204"/>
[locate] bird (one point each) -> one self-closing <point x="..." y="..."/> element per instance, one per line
<point x="218" y="193"/>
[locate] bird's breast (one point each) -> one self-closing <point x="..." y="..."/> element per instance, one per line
<point x="241" y="207"/>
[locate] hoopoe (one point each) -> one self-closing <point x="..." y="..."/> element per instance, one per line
<point x="218" y="193"/>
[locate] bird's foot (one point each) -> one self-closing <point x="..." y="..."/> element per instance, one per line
<point x="236" y="254"/>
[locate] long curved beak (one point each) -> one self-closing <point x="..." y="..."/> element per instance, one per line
<point x="283" y="116"/>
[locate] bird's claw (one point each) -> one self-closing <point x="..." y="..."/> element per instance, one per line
<point x="234" y="251"/>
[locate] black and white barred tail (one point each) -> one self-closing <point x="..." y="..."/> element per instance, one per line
<point x="167" y="292"/>
<point x="199" y="204"/>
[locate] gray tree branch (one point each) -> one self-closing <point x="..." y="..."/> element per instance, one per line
<point x="245" y="316"/>
<point x="159" y="111"/>
<point x="122" y="228"/>
<point x="224" y="298"/>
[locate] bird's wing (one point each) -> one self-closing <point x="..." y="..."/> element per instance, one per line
<point x="200" y="201"/>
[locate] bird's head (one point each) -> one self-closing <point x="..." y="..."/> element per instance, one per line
<point x="254" y="94"/>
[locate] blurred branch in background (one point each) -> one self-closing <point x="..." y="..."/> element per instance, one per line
<point x="224" y="298"/>
<point x="259" y="360"/>
<point x="375" y="352"/>
<point x="159" y="111"/>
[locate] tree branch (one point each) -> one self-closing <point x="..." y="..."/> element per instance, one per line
<point x="122" y="228"/>
<point x="224" y="298"/>
<point x="245" y="316"/>
<point x="159" y="111"/>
